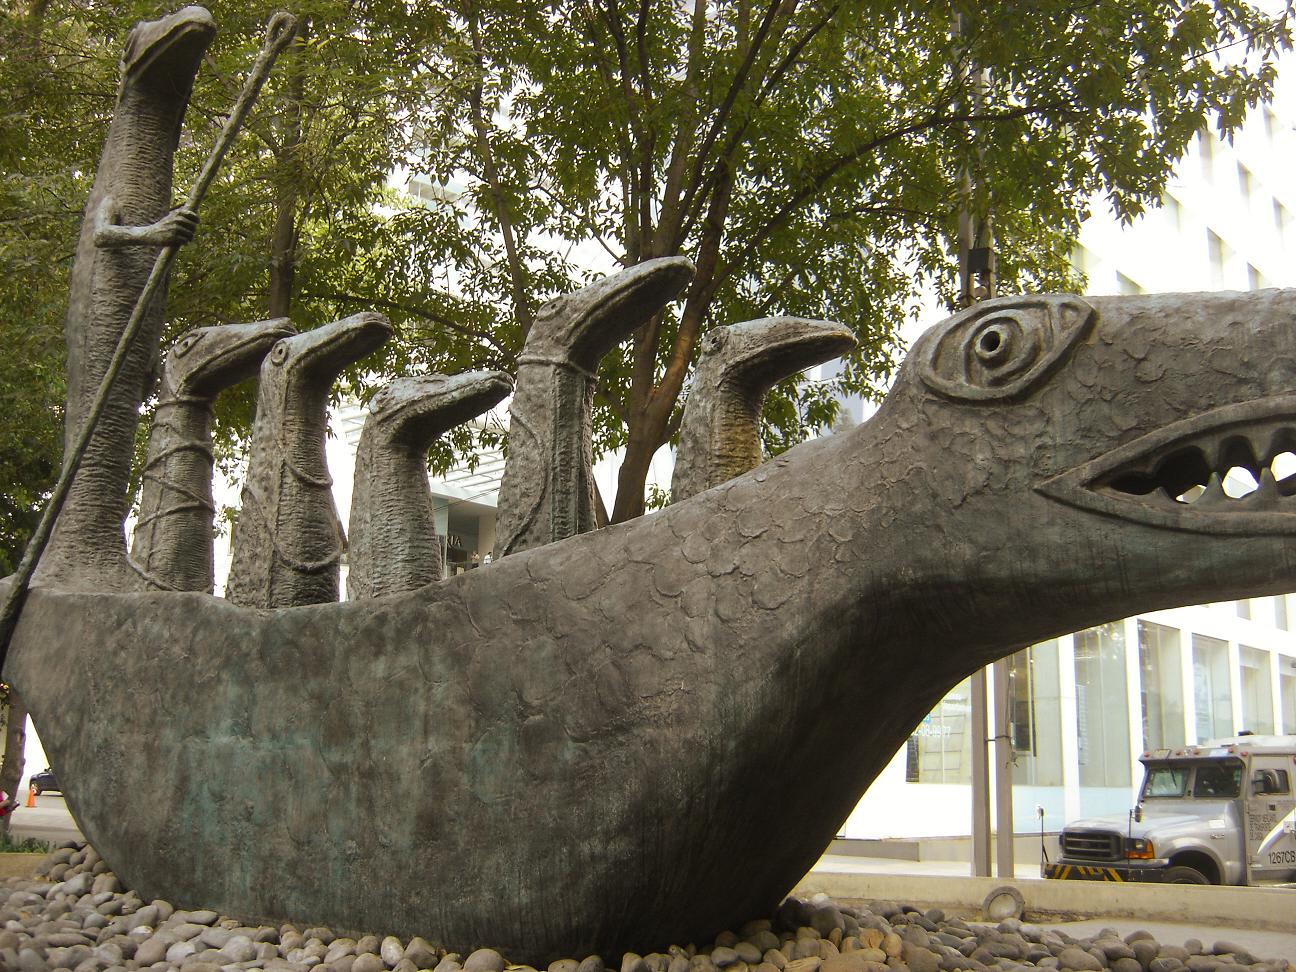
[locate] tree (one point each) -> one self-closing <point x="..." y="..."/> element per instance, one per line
<point x="807" y="156"/>
<point x="293" y="225"/>
<point x="13" y="717"/>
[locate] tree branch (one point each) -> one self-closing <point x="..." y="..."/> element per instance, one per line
<point x="825" y="175"/>
<point x="414" y="310"/>
<point x="517" y="276"/>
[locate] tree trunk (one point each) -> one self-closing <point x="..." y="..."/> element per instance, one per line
<point x="11" y="769"/>
<point x="283" y="240"/>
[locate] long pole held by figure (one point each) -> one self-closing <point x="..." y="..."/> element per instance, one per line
<point x="279" y="31"/>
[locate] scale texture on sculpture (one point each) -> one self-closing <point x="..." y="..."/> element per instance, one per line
<point x="645" y="734"/>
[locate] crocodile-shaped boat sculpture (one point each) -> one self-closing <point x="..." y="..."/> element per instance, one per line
<point x="172" y="548"/>
<point x="644" y="734"/>
<point x="647" y="733"/>
<point x="126" y="221"/>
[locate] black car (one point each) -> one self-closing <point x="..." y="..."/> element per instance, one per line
<point x="45" y="782"/>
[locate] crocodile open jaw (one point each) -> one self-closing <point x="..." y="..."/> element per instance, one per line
<point x="1231" y="470"/>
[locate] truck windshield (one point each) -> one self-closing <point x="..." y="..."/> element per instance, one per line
<point x="1165" y="781"/>
<point x="1218" y="780"/>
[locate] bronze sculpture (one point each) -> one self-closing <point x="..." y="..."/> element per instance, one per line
<point x="644" y="734"/>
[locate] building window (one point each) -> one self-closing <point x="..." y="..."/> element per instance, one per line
<point x="1282" y="219"/>
<point x="1287" y="683"/>
<point x="1035" y="714"/>
<point x="1244" y="608"/>
<point x="1246" y="182"/>
<point x="1211" y="688"/>
<point x="1206" y="150"/>
<point x="1257" y="690"/>
<point x="1280" y="612"/>
<point x="1174" y="211"/>
<point x="1161" y="668"/>
<point x="940" y="749"/>
<point x="1125" y="286"/>
<point x="1255" y="279"/>
<point x="1219" y="253"/>
<point x="1102" y="706"/>
<point x="1272" y="125"/>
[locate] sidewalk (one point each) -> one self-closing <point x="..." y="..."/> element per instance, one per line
<point x="846" y="876"/>
<point x="48" y="820"/>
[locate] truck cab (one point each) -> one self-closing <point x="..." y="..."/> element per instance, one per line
<point x="1223" y="812"/>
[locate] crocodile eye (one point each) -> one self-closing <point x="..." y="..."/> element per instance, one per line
<point x="279" y="353"/>
<point x="1003" y="348"/>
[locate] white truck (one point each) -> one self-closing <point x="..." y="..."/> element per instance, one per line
<point x="1223" y="812"/>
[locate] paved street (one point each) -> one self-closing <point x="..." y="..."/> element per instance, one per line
<point x="1266" y="944"/>
<point x="48" y="820"/>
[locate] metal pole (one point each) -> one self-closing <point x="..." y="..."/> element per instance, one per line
<point x="1003" y="772"/>
<point x="980" y="778"/>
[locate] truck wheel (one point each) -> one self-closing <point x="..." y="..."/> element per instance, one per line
<point x="1185" y="875"/>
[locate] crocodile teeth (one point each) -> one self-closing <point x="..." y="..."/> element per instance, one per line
<point x="1231" y="470"/>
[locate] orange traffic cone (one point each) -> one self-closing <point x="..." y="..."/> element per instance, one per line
<point x="31" y="795"/>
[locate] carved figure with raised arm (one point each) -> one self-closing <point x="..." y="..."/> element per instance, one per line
<point x="127" y="218"/>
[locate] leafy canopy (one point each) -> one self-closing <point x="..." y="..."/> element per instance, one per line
<point x="808" y="156"/>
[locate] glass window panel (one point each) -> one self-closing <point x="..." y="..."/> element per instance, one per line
<point x="1211" y="688"/>
<point x="1257" y="690"/>
<point x="1287" y="683"/>
<point x="1215" y="780"/>
<point x="1280" y="611"/>
<point x="940" y="749"/>
<point x="1035" y="711"/>
<point x="1165" y="781"/>
<point x="1161" y="668"/>
<point x="1102" y="708"/>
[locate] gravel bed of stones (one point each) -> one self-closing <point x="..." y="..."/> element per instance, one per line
<point x="75" y="916"/>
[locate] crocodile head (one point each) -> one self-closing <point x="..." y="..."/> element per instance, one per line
<point x="416" y="410"/>
<point x="206" y="360"/>
<point x="1073" y="455"/>
<point x="164" y="53"/>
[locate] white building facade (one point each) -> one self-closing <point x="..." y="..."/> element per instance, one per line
<point x="1085" y="706"/>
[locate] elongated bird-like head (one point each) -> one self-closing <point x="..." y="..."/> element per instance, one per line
<point x="416" y="410"/>
<point x="206" y="360"/>
<point x="585" y="325"/>
<point x="756" y="355"/>
<point x="165" y="53"/>
<point x="1079" y="449"/>
<point x="320" y="354"/>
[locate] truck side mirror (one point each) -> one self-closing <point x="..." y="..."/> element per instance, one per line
<point x="1264" y="781"/>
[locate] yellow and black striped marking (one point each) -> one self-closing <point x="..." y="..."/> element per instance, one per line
<point x="1082" y="872"/>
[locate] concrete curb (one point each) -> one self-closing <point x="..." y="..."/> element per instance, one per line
<point x="1272" y="909"/>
